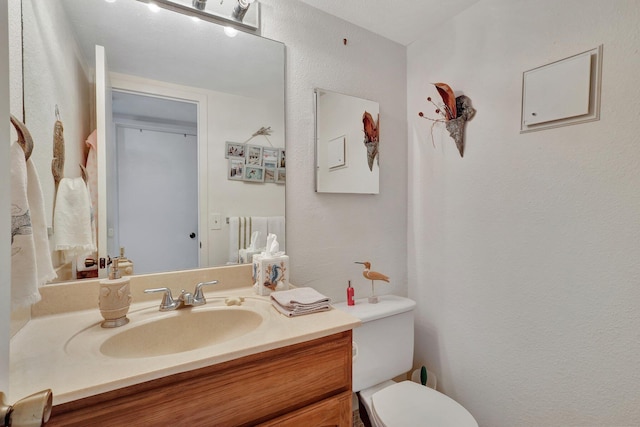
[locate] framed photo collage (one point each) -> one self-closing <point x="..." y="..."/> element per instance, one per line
<point x="255" y="163"/>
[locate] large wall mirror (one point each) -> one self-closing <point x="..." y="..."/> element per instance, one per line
<point x="347" y="151"/>
<point x="155" y="96"/>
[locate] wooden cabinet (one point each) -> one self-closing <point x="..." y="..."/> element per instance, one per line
<point x="335" y="411"/>
<point x="306" y="384"/>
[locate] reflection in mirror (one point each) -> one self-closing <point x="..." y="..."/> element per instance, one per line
<point x="177" y="90"/>
<point x="156" y="171"/>
<point x="347" y="158"/>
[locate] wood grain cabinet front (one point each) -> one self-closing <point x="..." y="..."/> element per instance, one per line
<point x="306" y="384"/>
<point x="332" y="412"/>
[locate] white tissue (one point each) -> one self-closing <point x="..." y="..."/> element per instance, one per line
<point x="253" y="246"/>
<point x="273" y="247"/>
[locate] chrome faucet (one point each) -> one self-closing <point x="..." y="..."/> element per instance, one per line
<point x="186" y="299"/>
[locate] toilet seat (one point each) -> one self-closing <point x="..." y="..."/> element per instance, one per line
<point x="410" y="404"/>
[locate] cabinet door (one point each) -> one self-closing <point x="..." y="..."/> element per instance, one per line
<point x="334" y="411"/>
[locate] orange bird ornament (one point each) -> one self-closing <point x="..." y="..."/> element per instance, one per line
<point x="373" y="276"/>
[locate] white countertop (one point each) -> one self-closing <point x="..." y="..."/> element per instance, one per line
<point x="45" y="353"/>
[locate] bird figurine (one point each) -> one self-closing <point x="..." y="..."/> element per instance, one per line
<point x="373" y="276"/>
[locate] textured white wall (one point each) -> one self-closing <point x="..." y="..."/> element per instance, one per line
<point x="326" y="233"/>
<point x="53" y="75"/>
<point x="524" y="255"/>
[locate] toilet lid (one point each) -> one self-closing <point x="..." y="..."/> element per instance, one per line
<point x="410" y="404"/>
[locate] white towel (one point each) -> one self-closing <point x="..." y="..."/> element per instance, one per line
<point x="234" y="239"/>
<point x="72" y="217"/>
<point x="300" y="301"/>
<point x="24" y="276"/>
<point x="44" y="265"/>
<point x="240" y="230"/>
<point x="276" y="225"/>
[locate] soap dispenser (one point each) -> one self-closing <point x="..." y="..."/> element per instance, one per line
<point x="115" y="298"/>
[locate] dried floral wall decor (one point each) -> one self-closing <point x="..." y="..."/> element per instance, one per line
<point x="453" y="111"/>
<point x="371" y="133"/>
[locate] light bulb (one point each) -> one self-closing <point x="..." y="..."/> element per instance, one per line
<point x="153" y="7"/>
<point x="230" y="31"/>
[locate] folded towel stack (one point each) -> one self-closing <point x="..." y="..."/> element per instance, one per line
<point x="299" y="301"/>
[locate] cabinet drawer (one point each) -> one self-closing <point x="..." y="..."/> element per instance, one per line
<point x="335" y="411"/>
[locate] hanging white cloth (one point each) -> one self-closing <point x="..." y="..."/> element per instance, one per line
<point x="240" y="229"/>
<point x="24" y="266"/>
<point x="234" y="239"/>
<point x="72" y="217"/>
<point x="44" y="264"/>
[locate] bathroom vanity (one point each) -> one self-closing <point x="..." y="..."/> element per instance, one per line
<point x="278" y="371"/>
<point x="303" y="384"/>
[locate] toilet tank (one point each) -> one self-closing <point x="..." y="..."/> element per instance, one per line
<point x="383" y="344"/>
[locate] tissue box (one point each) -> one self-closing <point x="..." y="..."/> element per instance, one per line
<point x="245" y="256"/>
<point x="270" y="274"/>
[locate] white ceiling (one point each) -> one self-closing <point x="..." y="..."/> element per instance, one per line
<point x="402" y="21"/>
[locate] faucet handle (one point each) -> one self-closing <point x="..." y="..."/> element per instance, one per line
<point x="168" y="303"/>
<point x="186" y="297"/>
<point x="198" y="295"/>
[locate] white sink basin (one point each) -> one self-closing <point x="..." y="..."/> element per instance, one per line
<point x="184" y="330"/>
<point x="151" y="333"/>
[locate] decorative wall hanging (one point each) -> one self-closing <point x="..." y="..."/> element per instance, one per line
<point x="24" y="136"/>
<point x="371" y="133"/>
<point x="254" y="163"/>
<point x="57" y="163"/>
<point x="453" y="111"/>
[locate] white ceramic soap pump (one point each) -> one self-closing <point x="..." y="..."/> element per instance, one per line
<point x="115" y="298"/>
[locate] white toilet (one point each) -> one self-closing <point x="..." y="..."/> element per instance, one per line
<point x="383" y="349"/>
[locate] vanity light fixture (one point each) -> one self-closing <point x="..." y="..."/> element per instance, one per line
<point x="219" y="12"/>
<point x="153" y="7"/>
<point x="199" y="4"/>
<point x="241" y="9"/>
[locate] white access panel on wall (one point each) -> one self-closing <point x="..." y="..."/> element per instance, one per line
<point x="336" y="152"/>
<point x="564" y="92"/>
